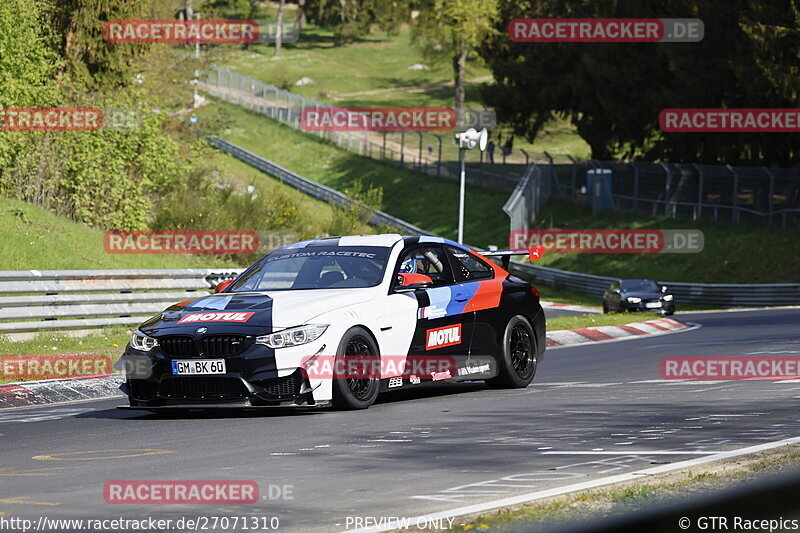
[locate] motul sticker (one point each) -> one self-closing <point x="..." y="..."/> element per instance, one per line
<point x="441" y="337"/>
<point x="216" y="317"/>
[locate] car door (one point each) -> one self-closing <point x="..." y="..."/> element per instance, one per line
<point x="443" y="327"/>
<point x="475" y="278"/>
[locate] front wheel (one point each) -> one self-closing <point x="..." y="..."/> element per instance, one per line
<point x="353" y="391"/>
<point x="519" y="359"/>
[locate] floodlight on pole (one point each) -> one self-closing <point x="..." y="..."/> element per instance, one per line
<point x="467" y="141"/>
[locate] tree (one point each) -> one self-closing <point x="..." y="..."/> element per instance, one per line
<point x="351" y="19"/>
<point x="613" y="92"/>
<point x="279" y="28"/>
<point x="456" y="27"/>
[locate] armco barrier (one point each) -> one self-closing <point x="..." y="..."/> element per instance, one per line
<point x="73" y="300"/>
<point x="312" y="188"/>
<point x="722" y="294"/>
<point x="712" y="294"/>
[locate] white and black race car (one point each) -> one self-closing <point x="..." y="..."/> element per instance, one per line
<point x="286" y="330"/>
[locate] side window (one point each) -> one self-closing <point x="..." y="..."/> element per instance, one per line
<point x="428" y="260"/>
<point x="467" y="267"/>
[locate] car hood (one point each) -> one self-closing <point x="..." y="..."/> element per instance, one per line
<point x="253" y="312"/>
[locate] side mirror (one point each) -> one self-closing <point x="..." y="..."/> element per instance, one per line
<point x="221" y="286"/>
<point x="414" y="286"/>
<point x="410" y="282"/>
<point x="664" y="288"/>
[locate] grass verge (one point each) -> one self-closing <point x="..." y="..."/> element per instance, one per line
<point x="427" y="201"/>
<point x="594" y="320"/>
<point x="732" y="254"/>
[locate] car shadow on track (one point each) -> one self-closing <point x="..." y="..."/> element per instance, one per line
<point x="392" y="397"/>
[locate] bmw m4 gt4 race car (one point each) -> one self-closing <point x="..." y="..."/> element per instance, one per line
<point x="300" y="326"/>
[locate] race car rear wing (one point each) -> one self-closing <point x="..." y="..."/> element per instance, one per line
<point x="534" y="253"/>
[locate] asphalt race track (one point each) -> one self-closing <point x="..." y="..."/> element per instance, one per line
<point x="592" y="411"/>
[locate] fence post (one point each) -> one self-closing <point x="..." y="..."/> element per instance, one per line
<point x="574" y="176"/>
<point x="667" y="184"/>
<point x="700" y="178"/>
<point x="439" y="161"/>
<point x="402" y="146"/>
<point x="635" y="186"/>
<point x="526" y="156"/>
<point x="383" y="148"/>
<point x="735" y="199"/>
<point x="420" y="149"/>
<point x="771" y="193"/>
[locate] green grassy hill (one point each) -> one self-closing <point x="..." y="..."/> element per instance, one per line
<point x="34" y="238"/>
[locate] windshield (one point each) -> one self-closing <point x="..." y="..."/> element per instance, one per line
<point x="315" y="267"/>
<point x="642" y="285"/>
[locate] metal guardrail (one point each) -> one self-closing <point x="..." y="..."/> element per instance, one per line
<point x="712" y="294"/>
<point x="312" y="188"/>
<point x="74" y="300"/>
<point x="34" y="300"/>
<point x="722" y="294"/>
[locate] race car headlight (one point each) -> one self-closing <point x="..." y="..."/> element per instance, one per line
<point x="667" y="298"/>
<point x="634" y="300"/>
<point x="140" y="341"/>
<point x="293" y="336"/>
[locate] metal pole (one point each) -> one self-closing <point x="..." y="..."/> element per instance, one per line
<point x="420" y="148"/>
<point x="700" y="178"/>
<point x="526" y="156"/>
<point x="402" y="146"/>
<point x="735" y="199"/>
<point x="439" y="162"/>
<point x="383" y="148"/>
<point x="461" y="197"/>
<point x="195" y="105"/>
<point x="574" y="174"/>
<point x="771" y="192"/>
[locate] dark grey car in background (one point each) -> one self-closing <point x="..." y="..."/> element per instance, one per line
<point x="638" y="295"/>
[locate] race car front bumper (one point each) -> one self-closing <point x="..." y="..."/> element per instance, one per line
<point x="257" y="377"/>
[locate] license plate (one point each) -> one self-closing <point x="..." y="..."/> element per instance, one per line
<point x="198" y="366"/>
<point x="653" y="305"/>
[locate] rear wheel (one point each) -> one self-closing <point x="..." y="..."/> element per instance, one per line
<point x="356" y="392"/>
<point x="519" y="359"/>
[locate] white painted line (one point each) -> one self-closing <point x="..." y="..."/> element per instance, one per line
<point x="643" y="452"/>
<point x="594" y="483"/>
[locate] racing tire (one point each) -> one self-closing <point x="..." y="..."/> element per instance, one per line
<point x="349" y="393"/>
<point x="519" y="358"/>
<point x="605" y="309"/>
